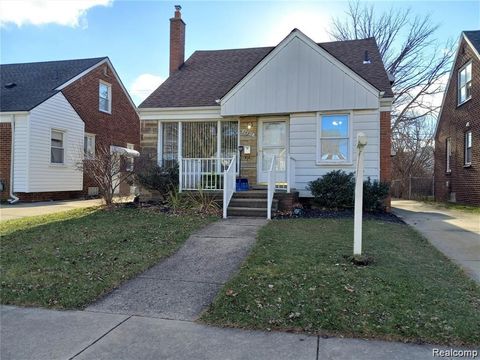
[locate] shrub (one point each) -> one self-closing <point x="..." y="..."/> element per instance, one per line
<point x="374" y="194"/>
<point x="334" y="190"/>
<point x="154" y="177"/>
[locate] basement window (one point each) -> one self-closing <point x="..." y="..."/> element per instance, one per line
<point x="105" y="97"/>
<point x="57" y="147"/>
<point x="465" y="83"/>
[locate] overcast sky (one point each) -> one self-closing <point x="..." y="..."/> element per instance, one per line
<point x="135" y="34"/>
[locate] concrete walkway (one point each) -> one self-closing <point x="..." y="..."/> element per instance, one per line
<point x="38" y="334"/>
<point x="455" y="233"/>
<point x="184" y="284"/>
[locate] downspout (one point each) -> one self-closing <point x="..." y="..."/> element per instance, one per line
<point x="13" y="199"/>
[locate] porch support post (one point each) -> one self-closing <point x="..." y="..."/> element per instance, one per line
<point x="160" y="143"/>
<point x="180" y="167"/>
<point x="219" y="147"/>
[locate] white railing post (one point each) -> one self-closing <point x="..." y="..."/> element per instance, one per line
<point x="289" y="164"/>
<point x="180" y="174"/>
<point x="271" y="187"/>
<point x="228" y="184"/>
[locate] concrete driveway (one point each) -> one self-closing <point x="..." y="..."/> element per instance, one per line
<point x="21" y="210"/>
<point x="455" y="233"/>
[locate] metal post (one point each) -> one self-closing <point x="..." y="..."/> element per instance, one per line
<point x="357" y="232"/>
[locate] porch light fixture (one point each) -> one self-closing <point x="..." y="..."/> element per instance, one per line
<point x="249" y="126"/>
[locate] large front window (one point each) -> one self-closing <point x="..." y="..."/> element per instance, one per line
<point x="465" y="83"/>
<point x="334" y="138"/>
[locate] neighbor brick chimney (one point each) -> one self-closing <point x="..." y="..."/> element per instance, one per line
<point x="177" y="40"/>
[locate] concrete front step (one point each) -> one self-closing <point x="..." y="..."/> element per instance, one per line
<point x="250" y="194"/>
<point x="248" y="212"/>
<point x="253" y="203"/>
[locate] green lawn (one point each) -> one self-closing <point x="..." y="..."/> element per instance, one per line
<point x="453" y="206"/>
<point x="297" y="279"/>
<point x="67" y="260"/>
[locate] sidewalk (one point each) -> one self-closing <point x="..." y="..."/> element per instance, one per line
<point x="186" y="283"/>
<point x="49" y="335"/>
<point x="455" y="233"/>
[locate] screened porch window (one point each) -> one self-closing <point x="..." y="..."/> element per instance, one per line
<point x="169" y="144"/>
<point x="199" y="140"/>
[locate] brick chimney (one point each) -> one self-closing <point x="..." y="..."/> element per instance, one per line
<point x="177" y="40"/>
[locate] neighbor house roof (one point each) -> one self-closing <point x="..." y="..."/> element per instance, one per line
<point x="474" y="38"/>
<point x="208" y="75"/>
<point x="26" y="85"/>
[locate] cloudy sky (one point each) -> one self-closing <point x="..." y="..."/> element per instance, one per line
<point x="135" y="34"/>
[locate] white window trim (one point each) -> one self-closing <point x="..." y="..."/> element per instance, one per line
<point x="318" y="158"/>
<point x="465" y="163"/>
<point x="469" y="63"/>
<point x="94" y="143"/>
<point x="448" y="151"/>
<point x="64" y="147"/>
<point x="109" y="86"/>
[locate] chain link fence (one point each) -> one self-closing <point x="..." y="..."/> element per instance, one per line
<point x="413" y="188"/>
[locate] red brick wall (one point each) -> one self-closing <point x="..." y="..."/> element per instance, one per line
<point x="47" y="196"/>
<point x="177" y="42"/>
<point x="5" y="153"/>
<point x="455" y="120"/>
<point x="120" y="127"/>
<point x="385" y="149"/>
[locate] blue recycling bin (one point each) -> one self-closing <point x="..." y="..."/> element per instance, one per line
<point x="242" y="184"/>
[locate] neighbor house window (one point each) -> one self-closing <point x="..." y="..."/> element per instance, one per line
<point x="89" y="146"/>
<point x="468" y="147"/>
<point x="130" y="160"/>
<point x="334" y="138"/>
<point x="465" y="83"/>
<point x="448" y="153"/>
<point x="57" y="147"/>
<point x="105" y="97"/>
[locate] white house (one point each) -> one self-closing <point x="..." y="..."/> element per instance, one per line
<point x="299" y="104"/>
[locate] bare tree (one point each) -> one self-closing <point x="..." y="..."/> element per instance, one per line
<point x="410" y="52"/>
<point x="107" y="170"/>
<point x="419" y="66"/>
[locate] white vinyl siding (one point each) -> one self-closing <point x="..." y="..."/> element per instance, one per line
<point x="105" y="97"/>
<point x="20" y="169"/>
<point x="55" y="113"/>
<point x="300" y="77"/>
<point x="303" y="147"/>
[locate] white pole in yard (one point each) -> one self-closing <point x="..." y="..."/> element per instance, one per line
<point x="357" y="232"/>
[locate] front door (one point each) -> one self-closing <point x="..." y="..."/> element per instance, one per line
<point x="272" y="141"/>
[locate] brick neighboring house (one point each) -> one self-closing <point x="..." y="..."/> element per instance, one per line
<point x="51" y="114"/>
<point x="301" y="103"/>
<point x="457" y="137"/>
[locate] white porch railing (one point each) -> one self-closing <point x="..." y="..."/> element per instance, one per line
<point x="272" y="174"/>
<point x="229" y="185"/>
<point x="202" y="173"/>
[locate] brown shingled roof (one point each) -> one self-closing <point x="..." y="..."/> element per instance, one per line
<point x="208" y="75"/>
